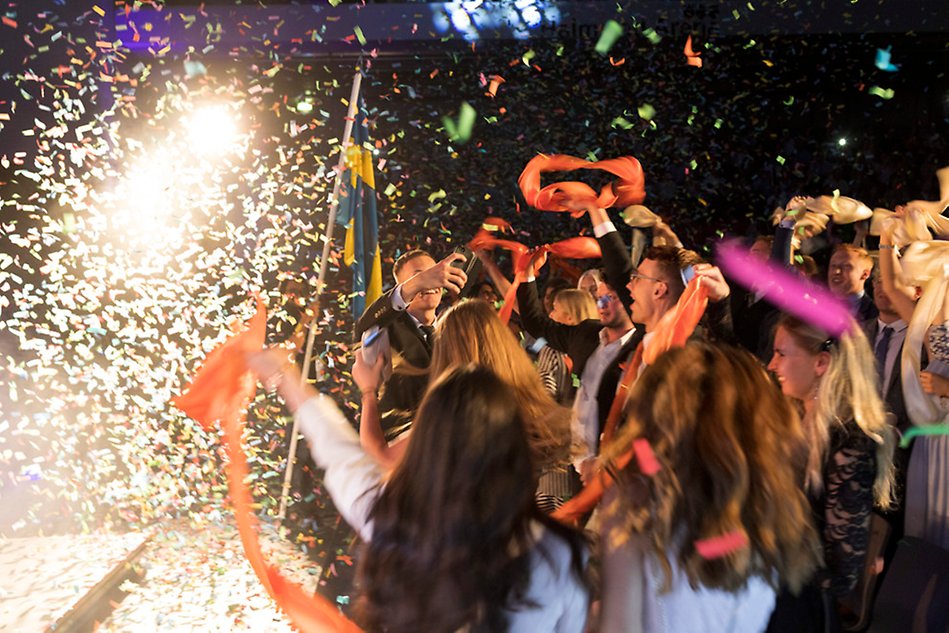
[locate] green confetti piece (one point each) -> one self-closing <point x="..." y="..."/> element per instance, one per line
<point x="527" y="57"/>
<point x="652" y="36"/>
<point x="693" y="164"/>
<point x="780" y="159"/>
<point x="718" y="124"/>
<point x="790" y="101"/>
<point x="933" y="429"/>
<point x="646" y="111"/>
<point x="438" y="195"/>
<point x="359" y="35"/>
<point x="621" y="122"/>
<point x="883" y="93"/>
<point x="391" y="189"/>
<point x="612" y="31"/>
<point x="460" y="132"/>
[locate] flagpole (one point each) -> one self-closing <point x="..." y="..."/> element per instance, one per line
<point x="321" y="279"/>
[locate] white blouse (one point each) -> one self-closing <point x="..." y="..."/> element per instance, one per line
<point x="354" y="480"/>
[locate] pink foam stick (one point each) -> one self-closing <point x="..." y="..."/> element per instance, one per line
<point x="786" y="290"/>
<point x="718" y="546"/>
<point x="648" y="464"/>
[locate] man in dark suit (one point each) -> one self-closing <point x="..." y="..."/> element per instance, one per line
<point x="407" y="314"/>
<point x="850" y="267"/>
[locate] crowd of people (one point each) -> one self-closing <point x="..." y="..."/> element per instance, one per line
<point x="579" y="468"/>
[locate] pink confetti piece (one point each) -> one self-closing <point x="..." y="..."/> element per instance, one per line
<point x="648" y="464"/>
<point x="719" y="546"/>
<point x="786" y="290"/>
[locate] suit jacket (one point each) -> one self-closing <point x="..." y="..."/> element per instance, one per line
<point x="894" y="401"/>
<point x="403" y="391"/>
<point x="753" y="323"/>
<point x="866" y="309"/>
<point x="576" y="341"/>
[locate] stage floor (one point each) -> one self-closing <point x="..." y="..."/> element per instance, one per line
<point x="196" y="578"/>
<point x="42" y="578"/>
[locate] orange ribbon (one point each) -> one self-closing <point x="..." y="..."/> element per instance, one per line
<point x="571" y="248"/>
<point x="673" y="330"/>
<point x="575" y="197"/>
<point x="220" y="391"/>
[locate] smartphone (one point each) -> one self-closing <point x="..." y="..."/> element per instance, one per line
<point x="472" y="268"/>
<point x="374" y="341"/>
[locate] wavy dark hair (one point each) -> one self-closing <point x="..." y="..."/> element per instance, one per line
<point x="451" y="534"/>
<point x="731" y="451"/>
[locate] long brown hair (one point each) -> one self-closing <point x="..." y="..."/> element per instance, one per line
<point x="471" y="332"/>
<point x="451" y="530"/>
<point x="847" y="391"/>
<point x="730" y="450"/>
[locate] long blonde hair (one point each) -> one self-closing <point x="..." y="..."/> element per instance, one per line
<point x="847" y="390"/>
<point x="471" y="332"/>
<point x="730" y="450"/>
<point x="578" y="304"/>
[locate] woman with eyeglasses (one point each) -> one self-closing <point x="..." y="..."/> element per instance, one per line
<point x="849" y="463"/>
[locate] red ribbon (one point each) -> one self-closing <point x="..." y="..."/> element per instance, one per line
<point x="220" y="392"/>
<point x="630" y="188"/>
<point x="570" y="248"/>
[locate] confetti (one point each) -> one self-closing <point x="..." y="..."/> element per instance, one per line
<point x="721" y="546"/>
<point x="648" y="464"/>
<point x="692" y="58"/>
<point x="883" y="93"/>
<point x="883" y="60"/>
<point x="612" y="31"/>
<point x="918" y="431"/>
<point x="460" y="132"/>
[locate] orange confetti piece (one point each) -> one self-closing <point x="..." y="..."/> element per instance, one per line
<point x="496" y="82"/>
<point x="692" y="58"/>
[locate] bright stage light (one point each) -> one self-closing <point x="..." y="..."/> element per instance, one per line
<point x="842" y="142"/>
<point x="212" y="129"/>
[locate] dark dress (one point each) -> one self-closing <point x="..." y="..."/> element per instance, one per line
<point x="842" y="517"/>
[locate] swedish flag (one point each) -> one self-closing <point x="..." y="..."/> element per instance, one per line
<point x="357" y="210"/>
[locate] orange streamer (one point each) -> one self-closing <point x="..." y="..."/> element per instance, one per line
<point x="570" y="248"/>
<point x="220" y="392"/>
<point x="575" y="197"/>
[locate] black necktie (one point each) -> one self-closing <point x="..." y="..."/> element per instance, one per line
<point x="880" y="351"/>
<point x="427" y="332"/>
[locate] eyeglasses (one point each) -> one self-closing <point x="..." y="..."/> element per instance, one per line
<point x="635" y="275"/>
<point x="603" y="301"/>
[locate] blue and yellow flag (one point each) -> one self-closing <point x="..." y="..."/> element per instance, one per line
<point x="357" y="211"/>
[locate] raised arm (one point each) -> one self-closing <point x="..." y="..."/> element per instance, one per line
<point x="901" y="296"/>
<point x="371" y="436"/>
<point x="497" y="277"/>
<point x="536" y="321"/>
<point x="353" y="478"/>
<point x="616" y="263"/>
